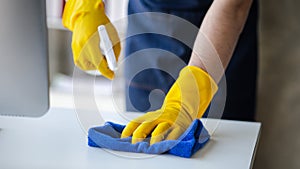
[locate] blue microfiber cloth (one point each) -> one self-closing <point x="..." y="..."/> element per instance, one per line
<point x="108" y="136"/>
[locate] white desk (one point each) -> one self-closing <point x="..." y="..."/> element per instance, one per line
<point x="58" y="141"/>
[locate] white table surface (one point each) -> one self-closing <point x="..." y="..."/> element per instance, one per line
<point x="57" y="140"/>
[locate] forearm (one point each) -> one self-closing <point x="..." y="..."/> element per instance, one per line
<point x="218" y="35"/>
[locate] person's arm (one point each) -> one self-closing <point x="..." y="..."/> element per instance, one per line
<point x="196" y="85"/>
<point x="220" y="28"/>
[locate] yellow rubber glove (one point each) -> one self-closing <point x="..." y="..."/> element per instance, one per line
<point x="187" y="100"/>
<point x="83" y="17"/>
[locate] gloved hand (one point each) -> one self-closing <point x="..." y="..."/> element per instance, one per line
<point x="187" y="100"/>
<point x="83" y="17"/>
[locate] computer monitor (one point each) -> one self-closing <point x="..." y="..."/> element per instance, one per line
<point x="23" y="58"/>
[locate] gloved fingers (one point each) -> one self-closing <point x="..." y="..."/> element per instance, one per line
<point x="160" y="132"/>
<point x="104" y="69"/>
<point x="87" y="55"/>
<point x="142" y="131"/>
<point x="175" y="133"/>
<point x="75" y="9"/>
<point x="129" y="129"/>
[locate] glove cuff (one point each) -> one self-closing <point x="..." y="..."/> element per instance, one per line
<point x="192" y="92"/>
<point x="78" y="8"/>
<point x="202" y="77"/>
